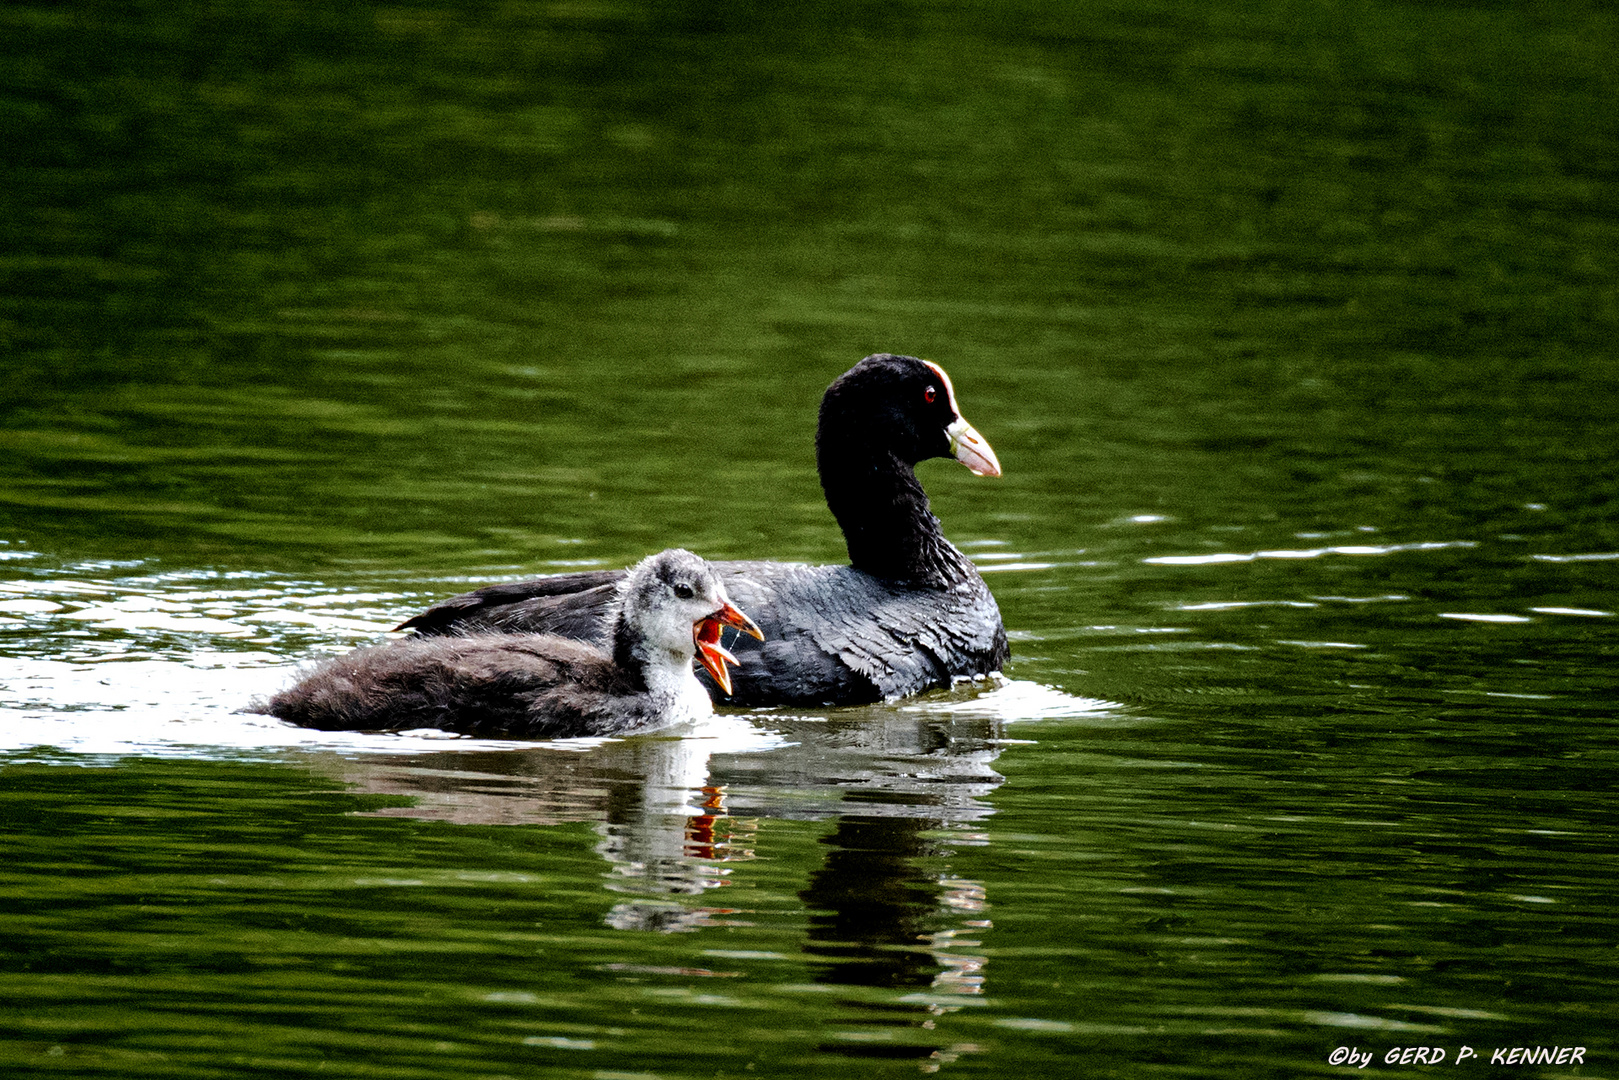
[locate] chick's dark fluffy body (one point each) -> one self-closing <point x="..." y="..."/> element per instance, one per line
<point x="519" y="686"/>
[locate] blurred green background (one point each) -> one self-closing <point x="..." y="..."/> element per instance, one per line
<point x="296" y="285"/>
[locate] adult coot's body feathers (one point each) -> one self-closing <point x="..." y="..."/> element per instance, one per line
<point x="909" y="613"/>
<point x="669" y="609"/>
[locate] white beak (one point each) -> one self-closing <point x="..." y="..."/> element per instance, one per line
<point x="972" y="449"/>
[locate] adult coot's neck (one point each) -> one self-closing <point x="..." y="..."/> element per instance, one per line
<point x="886" y="522"/>
<point x="872" y="490"/>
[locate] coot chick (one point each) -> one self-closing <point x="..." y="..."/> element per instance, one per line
<point x="908" y="614"/>
<point x="670" y="607"/>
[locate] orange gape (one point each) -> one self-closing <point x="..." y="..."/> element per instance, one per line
<point x="714" y="656"/>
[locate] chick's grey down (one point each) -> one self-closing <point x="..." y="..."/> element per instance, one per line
<point x="909" y="613"/>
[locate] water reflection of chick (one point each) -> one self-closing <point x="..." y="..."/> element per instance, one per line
<point x="664" y="827"/>
<point x="661" y="837"/>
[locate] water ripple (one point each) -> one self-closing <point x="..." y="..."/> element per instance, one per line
<point x="1305" y="553"/>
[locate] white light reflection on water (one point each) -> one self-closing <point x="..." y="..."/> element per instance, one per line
<point x="1010" y="700"/>
<point x="1305" y="553"/>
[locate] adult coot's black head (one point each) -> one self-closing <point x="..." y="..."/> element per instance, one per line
<point x="878" y="419"/>
<point x="903" y="406"/>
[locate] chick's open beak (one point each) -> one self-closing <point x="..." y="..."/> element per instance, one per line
<point x="714" y="656"/>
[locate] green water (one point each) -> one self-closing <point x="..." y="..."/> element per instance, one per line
<point x="1292" y="324"/>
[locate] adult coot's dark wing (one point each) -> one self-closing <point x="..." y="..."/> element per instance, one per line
<point x="572" y="605"/>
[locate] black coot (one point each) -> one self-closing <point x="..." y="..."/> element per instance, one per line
<point x="669" y="609"/>
<point x="911" y="611"/>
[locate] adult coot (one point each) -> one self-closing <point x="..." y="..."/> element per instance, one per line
<point x="909" y="613"/>
<point x="669" y="608"/>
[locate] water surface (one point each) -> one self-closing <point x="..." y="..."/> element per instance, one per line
<point x="1291" y="324"/>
